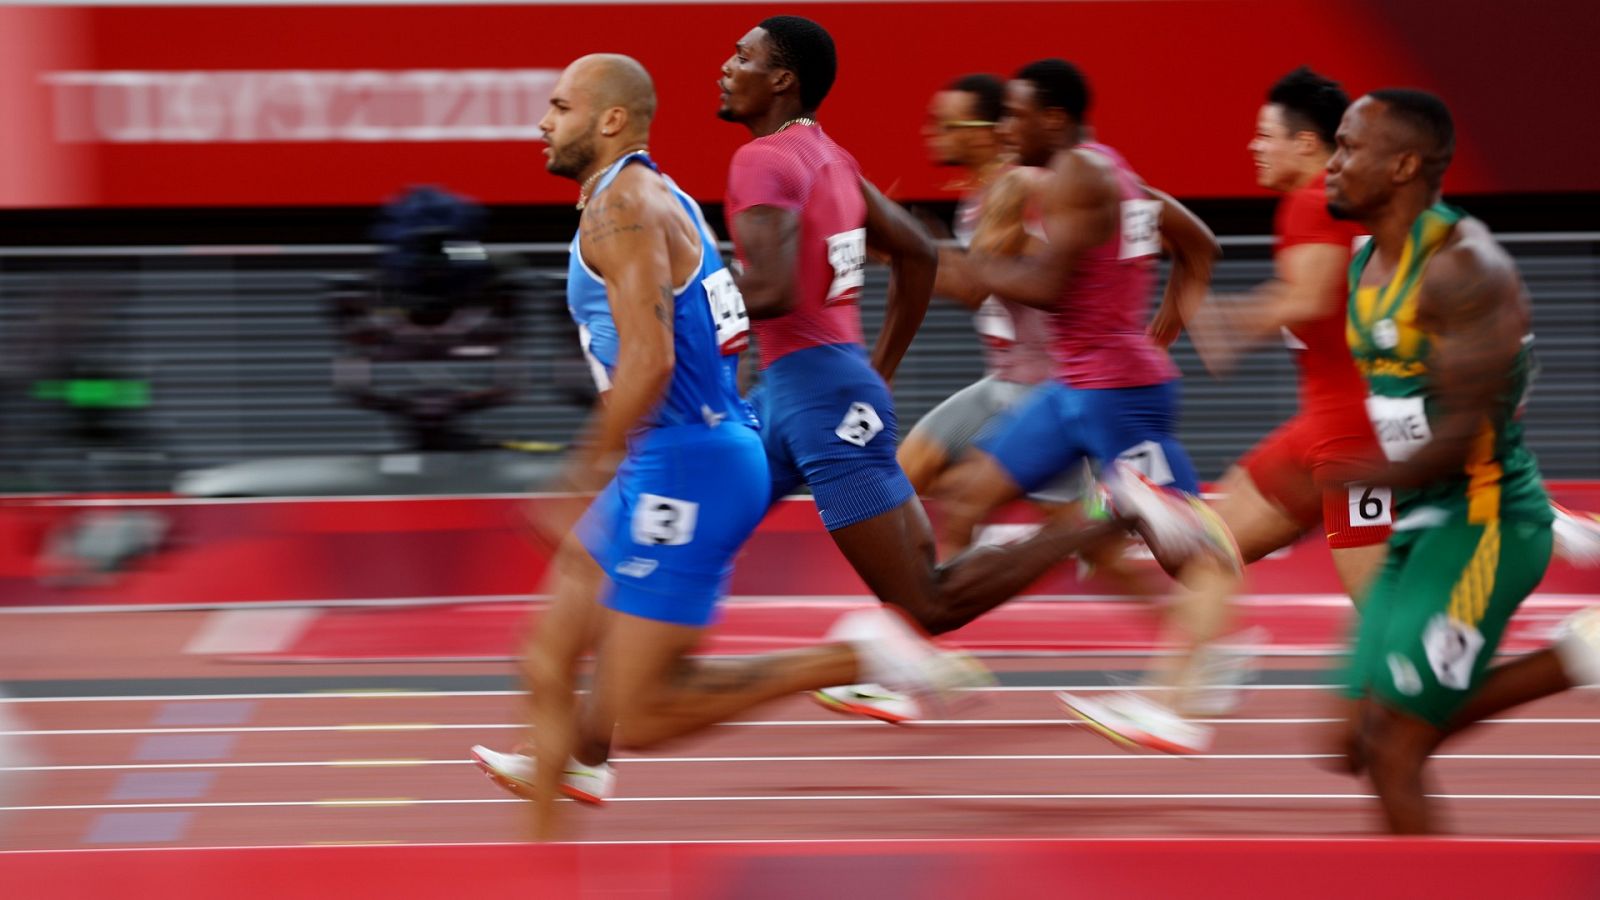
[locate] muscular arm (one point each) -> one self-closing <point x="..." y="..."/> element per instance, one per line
<point x="1001" y="231"/>
<point x="1079" y="206"/>
<point x="1193" y="249"/>
<point x="1473" y="311"/>
<point x="894" y="233"/>
<point x="1308" y="275"/>
<point x="623" y="238"/>
<point x="770" y="240"/>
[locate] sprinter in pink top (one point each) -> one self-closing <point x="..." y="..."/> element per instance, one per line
<point x="802" y="220"/>
<point x="1114" y="398"/>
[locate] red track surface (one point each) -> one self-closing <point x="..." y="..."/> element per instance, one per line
<point x="1517" y="777"/>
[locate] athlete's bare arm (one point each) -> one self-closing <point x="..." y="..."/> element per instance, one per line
<point x="1475" y="314"/>
<point x="625" y="237"/>
<point x="897" y="235"/>
<point x="1193" y="250"/>
<point x="770" y="240"/>
<point x="1307" y="276"/>
<point x="1079" y="203"/>
<point x="1001" y="231"/>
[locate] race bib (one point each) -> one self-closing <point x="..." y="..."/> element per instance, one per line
<point x="847" y="254"/>
<point x="994" y="323"/>
<point x="1141" y="228"/>
<point x="1150" y="461"/>
<point x="1370" y="506"/>
<point x="597" y="369"/>
<point x="860" y="424"/>
<point x="664" y="521"/>
<point x="1452" y="648"/>
<point x="727" y="311"/>
<point x="1401" y="424"/>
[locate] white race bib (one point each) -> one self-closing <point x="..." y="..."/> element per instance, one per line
<point x="847" y="254"/>
<point x="993" y="321"/>
<point x="1150" y="461"/>
<point x="1141" y="228"/>
<point x="1401" y="424"/>
<point x="727" y="311"/>
<point x="597" y="369"/>
<point x="860" y="424"/>
<point x="664" y="521"/>
<point x="1371" y="505"/>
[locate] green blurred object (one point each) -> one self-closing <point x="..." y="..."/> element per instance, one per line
<point x="95" y="393"/>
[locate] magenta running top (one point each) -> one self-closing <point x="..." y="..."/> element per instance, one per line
<point x="1015" y="338"/>
<point x="802" y="170"/>
<point x="1099" y="325"/>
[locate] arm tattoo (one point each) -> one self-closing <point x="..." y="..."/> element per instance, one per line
<point x="664" y="306"/>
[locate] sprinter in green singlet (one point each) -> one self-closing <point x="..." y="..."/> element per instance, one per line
<point x="1439" y="326"/>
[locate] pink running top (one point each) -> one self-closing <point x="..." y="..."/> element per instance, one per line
<point x="1099" y="325"/>
<point x="802" y="170"/>
<point x="1016" y="338"/>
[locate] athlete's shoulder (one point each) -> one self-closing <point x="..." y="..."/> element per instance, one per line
<point x="1471" y="267"/>
<point x="1084" y="177"/>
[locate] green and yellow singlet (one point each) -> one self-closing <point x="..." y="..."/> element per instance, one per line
<point x="1500" y="479"/>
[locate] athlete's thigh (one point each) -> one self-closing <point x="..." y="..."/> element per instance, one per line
<point x="1460" y="584"/>
<point x="683" y="509"/>
<point x="1259" y="526"/>
<point x="637" y="662"/>
<point x="954" y="423"/>
<point x="841" y="431"/>
<point x="894" y="554"/>
<point x="1139" y="426"/>
<point x="783" y="476"/>
<point x="1038" y="438"/>
<point x="571" y="623"/>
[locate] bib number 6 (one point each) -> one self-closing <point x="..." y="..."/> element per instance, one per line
<point x="1370" y="505"/>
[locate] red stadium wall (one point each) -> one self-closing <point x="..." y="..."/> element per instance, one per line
<point x="293" y="105"/>
<point x="474" y="548"/>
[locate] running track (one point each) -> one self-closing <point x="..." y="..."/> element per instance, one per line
<point x="137" y="744"/>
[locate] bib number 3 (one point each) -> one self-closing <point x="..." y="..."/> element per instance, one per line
<point x="1141" y="228"/>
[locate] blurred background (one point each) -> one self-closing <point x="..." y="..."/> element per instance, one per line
<point x="282" y="323"/>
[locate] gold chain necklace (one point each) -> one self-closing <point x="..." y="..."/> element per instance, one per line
<point x="583" y="190"/>
<point x="801" y="120"/>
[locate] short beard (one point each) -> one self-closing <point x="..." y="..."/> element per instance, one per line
<point x="570" y="161"/>
<point x="726" y="115"/>
<point x="1341" y="211"/>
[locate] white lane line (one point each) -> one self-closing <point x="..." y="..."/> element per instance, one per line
<point x="781" y="798"/>
<point x="723" y="760"/>
<point x="250" y="630"/>
<point x="380" y="694"/>
<point x="799" y="723"/>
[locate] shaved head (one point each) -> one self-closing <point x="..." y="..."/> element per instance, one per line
<point x="601" y="105"/>
<point x="612" y="80"/>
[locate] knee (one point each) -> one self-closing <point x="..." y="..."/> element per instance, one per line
<point x="1391" y="755"/>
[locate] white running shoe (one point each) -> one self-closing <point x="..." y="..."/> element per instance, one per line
<point x="1174" y="526"/>
<point x="895" y="655"/>
<point x="1577" y="536"/>
<point x="871" y="700"/>
<point x="514" y="772"/>
<point x="1131" y="720"/>
<point x="1578" y="645"/>
<point x="1225" y="667"/>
